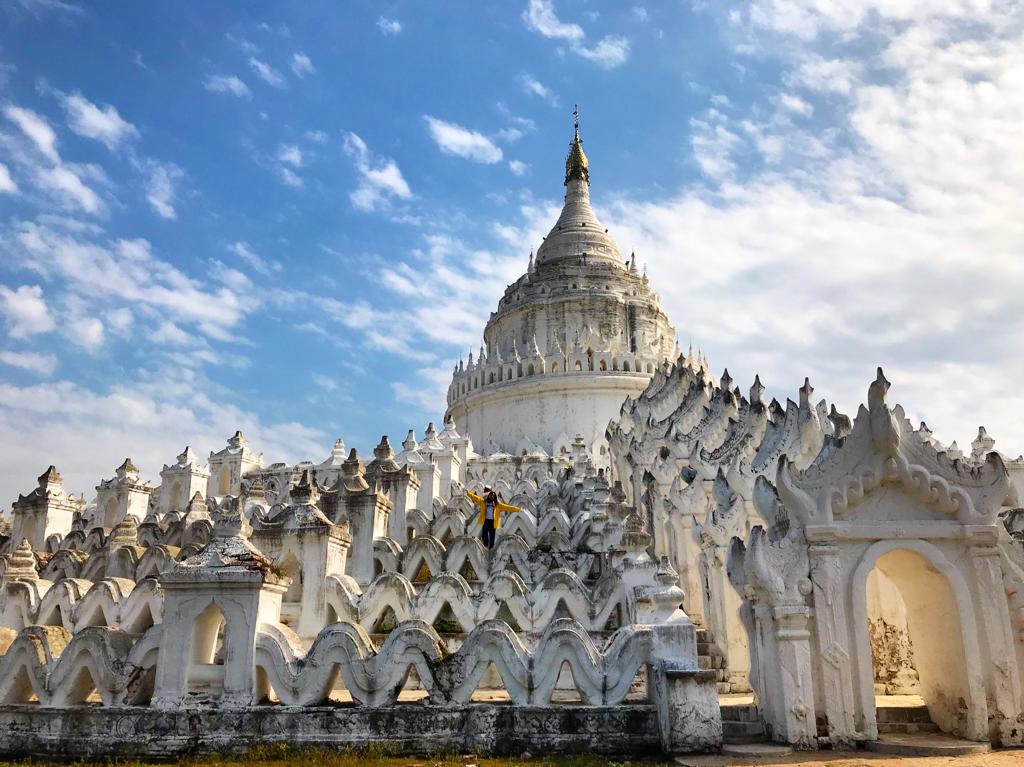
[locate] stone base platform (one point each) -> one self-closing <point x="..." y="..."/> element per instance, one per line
<point x="94" y="731"/>
<point x="926" y="745"/>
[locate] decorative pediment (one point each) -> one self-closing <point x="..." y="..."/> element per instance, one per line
<point x="883" y="449"/>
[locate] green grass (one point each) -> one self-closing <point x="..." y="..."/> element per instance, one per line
<point x="376" y="755"/>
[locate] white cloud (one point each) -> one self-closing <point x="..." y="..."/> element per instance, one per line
<point x="795" y="104"/>
<point x="462" y="142"/>
<point x="150" y="416"/>
<point x="160" y="187"/>
<point x="169" y="333"/>
<point x="290" y="177"/>
<point x="246" y="46"/>
<point x="261" y="265"/>
<point x="266" y="73"/>
<point x="325" y="382"/>
<point x="540" y="16"/>
<point x="101" y="123"/>
<point x="290" y="155"/>
<point x="430" y="388"/>
<point x="69" y="186"/>
<point x="37" y="129"/>
<point x="316" y="136"/>
<point x="380" y="178"/>
<point x="227" y="84"/>
<point x="829" y="75"/>
<point x="389" y="27"/>
<point x="283" y="30"/>
<point x="301" y="65"/>
<point x="535" y="87"/>
<point x="517" y="166"/>
<point x="639" y="13"/>
<point x="807" y="20"/>
<point x="609" y="52"/>
<point x="123" y="273"/>
<point x="119" y="320"/>
<point x="449" y="270"/>
<point x="25" y="310"/>
<point x="7" y="185"/>
<point x="38" y="7"/>
<point x="35" y="362"/>
<point x="714" y="142"/>
<point x="519" y="127"/>
<point x="84" y="331"/>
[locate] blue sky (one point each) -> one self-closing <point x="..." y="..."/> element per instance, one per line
<point x="293" y="218"/>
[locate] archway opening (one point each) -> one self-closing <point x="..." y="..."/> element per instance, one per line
<point x="141" y="622"/>
<point x="110" y="513"/>
<point x="919" y="667"/>
<point x="82" y="688"/>
<point x="291" y="602"/>
<point x="566" y="690"/>
<point x="224" y="481"/>
<point x="174" y="499"/>
<point x="206" y="660"/>
<point x="52" y="618"/>
<point x="386" y="621"/>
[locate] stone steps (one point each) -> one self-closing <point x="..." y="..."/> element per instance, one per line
<point x="742" y="724"/>
<point x="897" y="726"/>
<point x="710" y="658"/>
<point x="904" y="720"/>
<point x="737" y="732"/>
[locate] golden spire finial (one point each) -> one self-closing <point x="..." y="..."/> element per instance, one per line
<point x="576" y="165"/>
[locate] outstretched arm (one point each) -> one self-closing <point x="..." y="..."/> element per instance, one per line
<point x="504" y="507"/>
<point x="475" y="498"/>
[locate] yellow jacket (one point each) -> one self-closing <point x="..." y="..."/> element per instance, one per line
<point x="498" y="508"/>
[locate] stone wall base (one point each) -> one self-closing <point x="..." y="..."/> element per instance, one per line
<point x="27" y="730"/>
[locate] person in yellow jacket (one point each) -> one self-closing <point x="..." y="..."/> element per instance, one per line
<point x="490" y="513"/>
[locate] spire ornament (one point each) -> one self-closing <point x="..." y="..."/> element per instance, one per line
<point x="576" y="165"/>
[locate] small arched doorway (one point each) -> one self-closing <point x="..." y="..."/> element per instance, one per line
<point x="224" y="481"/>
<point x="206" y="660"/>
<point x="110" y="513"/>
<point x="915" y="592"/>
<point x="175" y="501"/>
<point x="291" y="602"/>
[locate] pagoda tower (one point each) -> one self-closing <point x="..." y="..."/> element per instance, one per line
<point x="574" y="336"/>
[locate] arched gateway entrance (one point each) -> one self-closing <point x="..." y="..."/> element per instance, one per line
<point x="942" y="641"/>
<point x="883" y="499"/>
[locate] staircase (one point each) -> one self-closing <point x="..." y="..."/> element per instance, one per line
<point x="741" y="723"/>
<point x="904" y="720"/>
<point x="710" y="657"/>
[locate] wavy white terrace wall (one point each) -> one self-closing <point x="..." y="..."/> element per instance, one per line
<point x="185" y="609"/>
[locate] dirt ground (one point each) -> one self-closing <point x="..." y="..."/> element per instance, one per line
<point x="1003" y="758"/>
